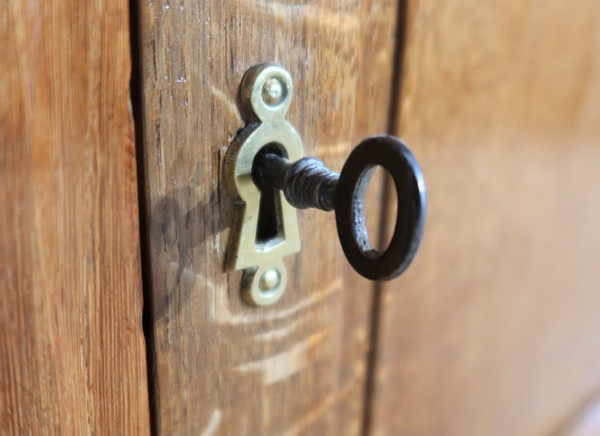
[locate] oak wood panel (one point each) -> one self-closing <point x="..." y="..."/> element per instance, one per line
<point x="72" y="355"/>
<point x="222" y="366"/>
<point x="494" y="329"/>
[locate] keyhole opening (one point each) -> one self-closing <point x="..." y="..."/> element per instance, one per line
<point x="269" y="230"/>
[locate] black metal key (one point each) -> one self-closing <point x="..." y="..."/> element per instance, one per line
<point x="308" y="183"/>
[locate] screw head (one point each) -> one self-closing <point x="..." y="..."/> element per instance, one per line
<point x="273" y="91"/>
<point x="270" y="280"/>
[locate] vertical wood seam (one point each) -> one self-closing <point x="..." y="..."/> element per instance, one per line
<point x="136" y="90"/>
<point x="376" y="305"/>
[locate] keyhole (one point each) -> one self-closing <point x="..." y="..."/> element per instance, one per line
<point x="269" y="226"/>
<point x="269" y="230"/>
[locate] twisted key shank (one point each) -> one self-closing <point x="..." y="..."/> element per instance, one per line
<point x="305" y="183"/>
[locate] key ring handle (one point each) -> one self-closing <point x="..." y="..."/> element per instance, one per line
<point x="393" y="155"/>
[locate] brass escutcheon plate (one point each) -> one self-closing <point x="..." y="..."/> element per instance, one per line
<point x="264" y="98"/>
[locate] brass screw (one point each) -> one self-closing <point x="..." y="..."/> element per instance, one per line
<point x="273" y="91"/>
<point x="270" y="280"/>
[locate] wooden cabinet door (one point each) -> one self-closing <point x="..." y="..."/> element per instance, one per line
<point x="494" y="328"/>
<point x="299" y="366"/>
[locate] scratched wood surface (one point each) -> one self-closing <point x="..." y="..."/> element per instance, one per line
<point x="72" y="356"/>
<point x="494" y="329"/>
<point x="220" y="366"/>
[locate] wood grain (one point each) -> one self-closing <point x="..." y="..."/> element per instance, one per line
<point x="494" y="329"/>
<point x="72" y="357"/>
<point x="222" y="366"/>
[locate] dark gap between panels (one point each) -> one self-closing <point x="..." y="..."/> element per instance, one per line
<point x="136" y="91"/>
<point x="376" y="305"/>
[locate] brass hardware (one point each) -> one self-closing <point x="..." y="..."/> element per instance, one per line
<point x="264" y="98"/>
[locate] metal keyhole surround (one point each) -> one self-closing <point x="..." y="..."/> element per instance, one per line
<point x="265" y="159"/>
<point x="264" y="98"/>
